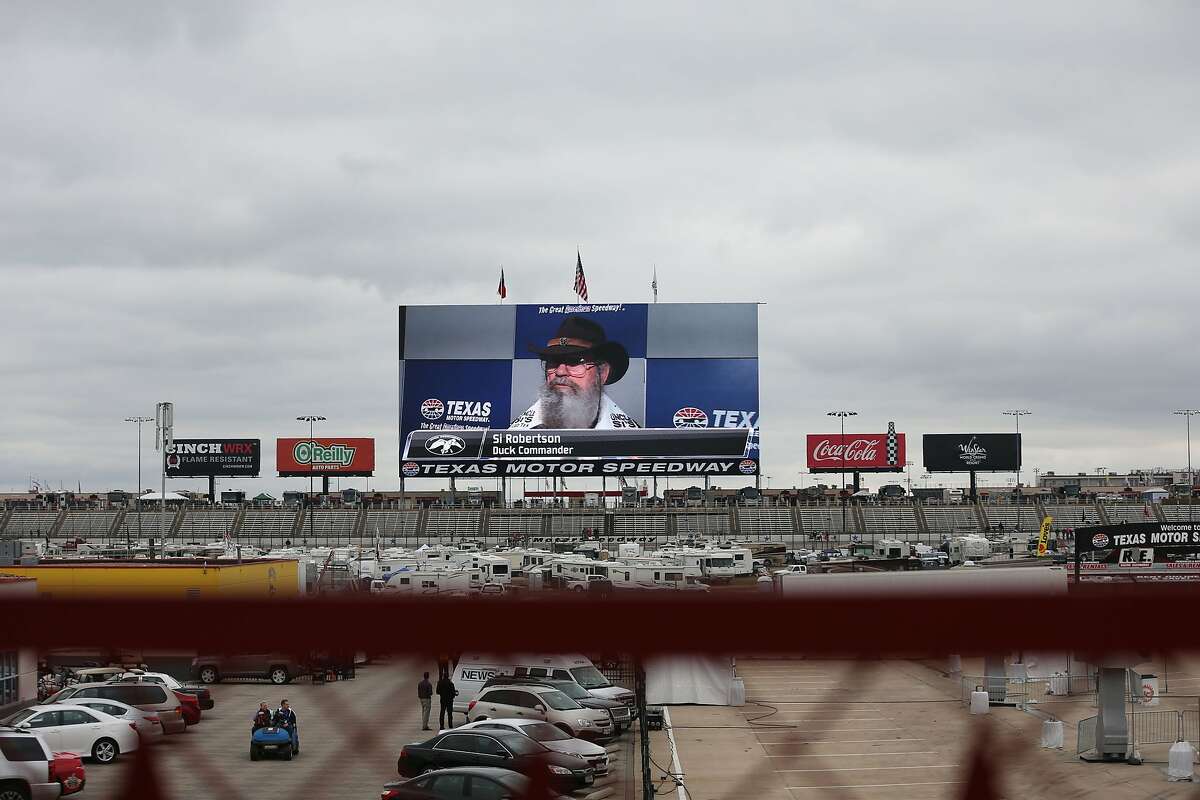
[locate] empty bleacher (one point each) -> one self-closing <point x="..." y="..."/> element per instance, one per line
<point x="91" y="524"/>
<point x="267" y="527"/>
<point x="951" y="519"/>
<point x="574" y="525"/>
<point x="1006" y="515"/>
<point x="206" y="526"/>
<point x="329" y="526"/>
<point x="818" y="520"/>
<point x="709" y="526"/>
<point x="1068" y="515"/>
<point x="452" y="524"/>
<point x="771" y="524"/>
<point x="1178" y="512"/>
<point x="640" y="527"/>
<point x="152" y="525"/>
<point x="388" y="525"/>
<point x="1130" y="512"/>
<point x="502" y="527"/>
<point x="896" y="521"/>
<point x="32" y="524"/>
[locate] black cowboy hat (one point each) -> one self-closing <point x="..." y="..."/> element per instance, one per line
<point x="580" y="336"/>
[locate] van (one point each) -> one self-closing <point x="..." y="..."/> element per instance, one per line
<point x="474" y="670"/>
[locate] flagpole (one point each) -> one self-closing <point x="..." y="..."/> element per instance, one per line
<point x="654" y="282"/>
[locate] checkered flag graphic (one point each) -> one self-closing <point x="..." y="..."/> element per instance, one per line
<point x="893" y="447"/>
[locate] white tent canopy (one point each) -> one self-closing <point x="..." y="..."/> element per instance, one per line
<point x="158" y="496"/>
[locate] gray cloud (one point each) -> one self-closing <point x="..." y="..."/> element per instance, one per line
<point x="948" y="211"/>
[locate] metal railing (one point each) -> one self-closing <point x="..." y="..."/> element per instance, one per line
<point x="1023" y="692"/>
<point x="1146" y="727"/>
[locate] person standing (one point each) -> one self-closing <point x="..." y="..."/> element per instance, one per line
<point x="446" y="694"/>
<point x="425" y="695"/>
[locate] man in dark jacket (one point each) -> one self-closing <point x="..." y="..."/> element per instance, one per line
<point x="286" y="718"/>
<point x="263" y="718"/>
<point x="446" y="693"/>
<point x="425" y="695"/>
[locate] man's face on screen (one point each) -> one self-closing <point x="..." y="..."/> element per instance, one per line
<point x="571" y="395"/>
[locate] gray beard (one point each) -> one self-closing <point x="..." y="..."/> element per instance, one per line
<point x="570" y="409"/>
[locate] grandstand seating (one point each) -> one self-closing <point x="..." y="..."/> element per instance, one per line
<point x="91" y="524"/>
<point x="897" y="521"/>
<point x="152" y="526"/>
<point x="1130" y="512"/>
<point x="774" y="524"/>
<point x="637" y="526"/>
<point x="388" y="525"/>
<point x="329" y="526"/>
<point x="30" y="524"/>
<point x="573" y="525"/>
<point x="268" y="527"/>
<point x="503" y="526"/>
<point x="1006" y="515"/>
<point x="1178" y="512"/>
<point x="709" y="526"/>
<point x="452" y="524"/>
<point x="1067" y="515"/>
<point x="952" y="519"/>
<point x="824" y="519"/>
<point x="205" y="526"/>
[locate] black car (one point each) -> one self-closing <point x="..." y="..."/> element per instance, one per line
<point x="620" y="713"/>
<point x="492" y="748"/>
<point x="479" y="783"/>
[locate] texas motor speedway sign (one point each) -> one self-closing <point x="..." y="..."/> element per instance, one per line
<point x="1138" y="542"/>
<point x="532" y="453"/>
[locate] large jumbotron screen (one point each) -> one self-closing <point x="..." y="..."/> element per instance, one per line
<point x="630" y="389"/>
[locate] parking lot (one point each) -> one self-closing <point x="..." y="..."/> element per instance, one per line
<point x="350" y="734"/>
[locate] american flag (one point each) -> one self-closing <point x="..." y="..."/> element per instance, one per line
<point x="580" y="281"/>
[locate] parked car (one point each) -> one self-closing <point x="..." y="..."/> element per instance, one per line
<point x="552" y="737"/>
<point x="158" y="700"/>
<point x="504" y="749"/>
<point x="278" y="668"/>
<point x="461" y="782"/>
<point x="620" y="713"/>
<point x="98" y="674"/>
<point x="474" y="669"/>
<point x="203" y="696"/>
<point x="25" y="766"/>
<point x="78" y="729"/>
<point x="146" y="723"/>
<point x="541" y="703"/>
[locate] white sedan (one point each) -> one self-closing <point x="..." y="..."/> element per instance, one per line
<point x="147" y="722"/>
<point x="78" y="729"/>
<point x="552" y="737"/>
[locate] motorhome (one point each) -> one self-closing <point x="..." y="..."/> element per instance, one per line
<point x="429" y="581"/>
<point x="889" y="548"/>
<point x="969" y="548"/>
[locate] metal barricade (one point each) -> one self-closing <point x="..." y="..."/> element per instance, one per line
<point x="1189" y="727"/>
<point x="1085" y="735"/>
<point x="1155" y="727"/>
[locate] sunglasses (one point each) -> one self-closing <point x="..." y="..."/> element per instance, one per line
<point x="576" y="366"/>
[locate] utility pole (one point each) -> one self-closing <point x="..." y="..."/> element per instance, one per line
<point x="139" y="421"/>
<point x="165" y="440"/>
<point x="1187" y="413"/>
<point x="1016" y="414"/>
<point x="841" y="415"/>
<point x="312" y="446"/>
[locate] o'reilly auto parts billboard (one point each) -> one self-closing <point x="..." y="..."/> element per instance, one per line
<point x="856" y="452"/>
<point x="972" y="452"/>
<point x="209" y="458"/>
<point x="325" y="456"/>
<point x="662" y="371"/>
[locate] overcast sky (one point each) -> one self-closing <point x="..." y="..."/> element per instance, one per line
<point x="947" y="211"/>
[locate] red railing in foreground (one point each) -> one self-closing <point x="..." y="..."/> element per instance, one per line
<point x="1090" y="621"/>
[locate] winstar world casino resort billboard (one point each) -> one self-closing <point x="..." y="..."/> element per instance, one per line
<point x="655" y="389"/>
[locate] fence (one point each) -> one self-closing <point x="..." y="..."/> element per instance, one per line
<point x="1146" y="727"/>
<point x="1023" y="692"/>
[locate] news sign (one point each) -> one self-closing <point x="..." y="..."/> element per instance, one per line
<point x="856" y="452"/>
<point x="213" y="458"/>
<point x="580" y="452"/>
<point x="971" y="452"/>
<point x="297" y="457"/>
<point x="644" y="369"/>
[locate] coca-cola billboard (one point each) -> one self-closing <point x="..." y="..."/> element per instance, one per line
<point x="856" y="452"/>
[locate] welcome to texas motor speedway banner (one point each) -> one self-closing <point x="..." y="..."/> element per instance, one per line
<point x="692" y="366"/>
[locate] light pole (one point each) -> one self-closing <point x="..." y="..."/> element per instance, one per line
<point x="1016" y="414"/>
<point x="841" y="415"/>
<point x="139" y="421"/>
<point x="1187" y="413"/>
<point x="312" y="445"/>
